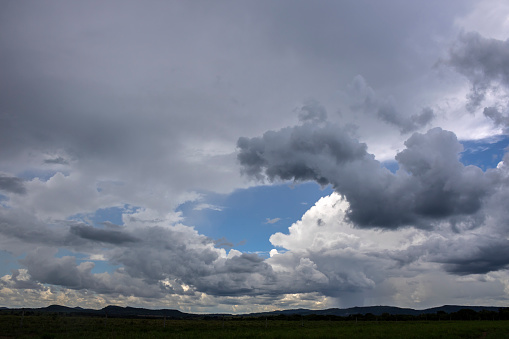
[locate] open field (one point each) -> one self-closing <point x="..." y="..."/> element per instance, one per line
<point x="51" y="326"/>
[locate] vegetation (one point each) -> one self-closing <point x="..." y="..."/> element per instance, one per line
<point x="475" y="325"/>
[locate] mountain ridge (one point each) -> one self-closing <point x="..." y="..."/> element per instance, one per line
<point x="127" y="311"/>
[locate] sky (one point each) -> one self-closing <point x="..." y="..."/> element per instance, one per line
<point x="247" y="156"/>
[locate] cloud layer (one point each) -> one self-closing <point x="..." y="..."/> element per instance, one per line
<point x="431" y="185"/>
<point x="113" y="116"/>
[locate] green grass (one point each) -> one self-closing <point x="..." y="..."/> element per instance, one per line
<point x="51" y="326"/>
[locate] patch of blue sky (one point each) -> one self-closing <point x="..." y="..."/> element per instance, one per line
<point x="391" y="165"/>
<point x="110" y="214"/>
<point x="8" y="262"/>
<point x="485" y="153"/>
<point x="4" y="201"/>
<point x="103" y="266"/>
<point x="97" y="219"/>
<point x="248" y="217"/>
<point x="62" y="252"/>
<point x="41" y="174"/>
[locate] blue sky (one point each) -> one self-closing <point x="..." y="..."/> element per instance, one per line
<point x="251" y="156"/>
<point x="248" y="217"/>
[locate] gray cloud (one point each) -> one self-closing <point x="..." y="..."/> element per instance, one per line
<point x="459" y="255"/>
<point x="95" y="234"/>
<point x="148" y="102"/>
<point x="431" y="185"/>
<point x="483" y="61"/>
<point x="57" y="161"/>
<point x="479" y="259"/>
<point x="15" y="281"/>
<point x="365" y="99"/>
<point x="45" y="268"/>
<point x="12" y="184"/>
<point x="498" y="118"/>
<point x="312" y="111"/>
<point x="405" y="124"/>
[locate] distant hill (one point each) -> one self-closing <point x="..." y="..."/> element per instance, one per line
<point x="376" y="310"/>
<point x="132" y="311"/>
<point x="114" y="311"/>
<point x="118" y="311"/>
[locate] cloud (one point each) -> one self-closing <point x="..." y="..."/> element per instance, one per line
<point x="364" y="99"/>
<point x="325" y="251"/>
<point x="223" y="243"/>
<point x="95" y="234"/>
<point x="312" y="111"/>
<point x="144" y="104"/>
<point x="200" y="207"/>
<point x="12" y="184"/>
<point x="272" y="221"/>
<point x="57" y="161"/>
<point x="432" y="184"/>
<point x="479" y="257"/>
<point x="484" y="62"/>
<point x="500" y="119"/>
<point x="356" y="263"/>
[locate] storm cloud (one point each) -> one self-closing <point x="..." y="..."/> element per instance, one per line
<point x="128" y="129"/>
<point x="109" y="236"/>
<point x="431" y="185"/>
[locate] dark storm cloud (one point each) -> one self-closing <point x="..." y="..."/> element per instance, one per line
<point x="285" y="154"/>
<point x="479" y="259"/>
<point x="431" y="185"/>
<point x="484" y="61"/>
<point x="95" y="234"/>
<point x="12" y="184"/>
<point x="459" y="255"/>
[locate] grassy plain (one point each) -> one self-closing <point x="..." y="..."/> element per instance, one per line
<point x="51" y="326"/>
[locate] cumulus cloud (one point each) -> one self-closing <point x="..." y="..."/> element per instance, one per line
<point x="354" y="263"/>
<point x="324" y="252"/>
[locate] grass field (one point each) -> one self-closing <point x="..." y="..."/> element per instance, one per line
<point x="50" y="326"/>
